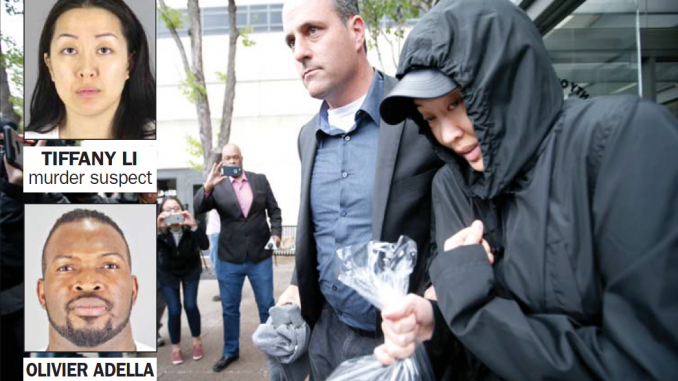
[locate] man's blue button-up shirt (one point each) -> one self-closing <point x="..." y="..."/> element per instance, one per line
<point x="342" y="186"/>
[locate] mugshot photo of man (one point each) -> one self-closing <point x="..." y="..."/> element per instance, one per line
<point x="87" y="286"/>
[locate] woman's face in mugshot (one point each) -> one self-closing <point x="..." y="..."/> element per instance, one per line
<point x="88" y="61"/>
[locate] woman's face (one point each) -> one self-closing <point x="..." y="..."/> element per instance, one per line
<point x="450" y="125"/>
<point x="172" y="207"/>
<point x="88" y="61"/>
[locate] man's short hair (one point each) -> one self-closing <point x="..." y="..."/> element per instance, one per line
<point x="76" y="215"/>
<point x="346" y="9"/>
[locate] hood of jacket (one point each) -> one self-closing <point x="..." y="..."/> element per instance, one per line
<point x="509" y="87"/>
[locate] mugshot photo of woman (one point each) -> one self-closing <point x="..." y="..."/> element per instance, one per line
<point x="94" y="78"/>
<point x="180" y="241"/>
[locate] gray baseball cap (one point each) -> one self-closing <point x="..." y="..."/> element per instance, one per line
<point x="420" y="84"/>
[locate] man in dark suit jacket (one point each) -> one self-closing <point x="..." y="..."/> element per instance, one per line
<point x="361" y="179"/>
<point x="242" y="203"/>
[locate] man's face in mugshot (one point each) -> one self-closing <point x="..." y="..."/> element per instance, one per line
<point x="88" y="289"/>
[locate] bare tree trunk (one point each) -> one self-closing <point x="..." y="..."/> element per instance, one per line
<point x="229" y="96"/>
<point x="6" y="107"/>
<point x="196" y="68"/>
<point x="202" y="102"/>
<point x="202" y="106"/>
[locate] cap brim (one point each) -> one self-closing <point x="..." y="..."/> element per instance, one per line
<point x="416" y="84"/>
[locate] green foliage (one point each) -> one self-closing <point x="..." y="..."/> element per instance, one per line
<point x="246" y="35"/>
<point x="194" y="149"/>
<point x="394" y="14"/>
<point x="222" y="77"/>
<point x="12" y="60"/>
<point x="191" y="88"/>
<point x="172" y="18"/>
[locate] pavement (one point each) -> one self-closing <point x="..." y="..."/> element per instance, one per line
<point x="252" y="365"/>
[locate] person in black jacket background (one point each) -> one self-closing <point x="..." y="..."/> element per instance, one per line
<point x="179" y="266"/>
<point x="573" y="202"/>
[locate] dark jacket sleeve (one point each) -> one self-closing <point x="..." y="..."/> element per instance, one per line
<point x="201" y="239"/>
<point x="636" y="242"/>
<point x="274" y="214"/>
<point x="202" y="204"/>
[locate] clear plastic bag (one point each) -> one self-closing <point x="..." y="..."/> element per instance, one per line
<point x="380" y="273"/>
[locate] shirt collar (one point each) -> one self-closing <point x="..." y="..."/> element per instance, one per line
<point x="369" y="107"/>
<point x="243" y="179"/>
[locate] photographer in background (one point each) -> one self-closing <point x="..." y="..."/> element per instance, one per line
<point x="243" y="202"/>
<point x="180" y="240"/>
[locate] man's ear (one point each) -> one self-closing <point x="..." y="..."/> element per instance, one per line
<point x="41" y="293"/>
<point x="48" y="63"/>
<point x="135" y="289"/>
<point x="357" y="25"/>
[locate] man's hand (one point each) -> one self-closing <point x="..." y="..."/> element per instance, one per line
<point x="276" y="239"/>
<point x="405" y="322"/>
<point x="471" y="235"/>
<point x="214" y="177"/>
<point x="14" y="175"/>
<point x="289" y="296"/>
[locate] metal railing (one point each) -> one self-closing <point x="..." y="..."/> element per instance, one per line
<point x="289" y="235"/>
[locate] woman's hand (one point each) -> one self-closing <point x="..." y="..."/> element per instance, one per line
<point x="188" y="219"/>
<point x="472" y="235"/>
<point x="405" y="322"/>
<point x="161" y="220"/>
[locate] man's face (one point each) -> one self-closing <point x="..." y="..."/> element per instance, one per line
<point x="325" y="50"/>
<point x="231" y="155"/>
<point x="87" y="290"/>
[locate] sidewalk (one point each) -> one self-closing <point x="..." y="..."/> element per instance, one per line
<point x="252" y="364"/>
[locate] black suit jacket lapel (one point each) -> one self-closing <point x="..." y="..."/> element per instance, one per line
<point x="307" y="150"/>
<point x="387" y="154"/>
<point x="230" y="201"/>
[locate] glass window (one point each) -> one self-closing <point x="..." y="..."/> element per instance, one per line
<point x="594" y="49"/>
<point x="241" y="17"/>
<point x="659" y="50"/>
<point x="276" y="17"/>
<point x="259" y="20"/>
<point x="262" y="18"/>
<point x="215" y="21"/>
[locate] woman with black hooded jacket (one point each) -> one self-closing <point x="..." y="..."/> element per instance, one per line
<point x="556" y="221"/>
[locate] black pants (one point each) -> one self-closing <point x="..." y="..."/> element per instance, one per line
<point x="333" y="342"/>
<point x="160" y="305"/>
